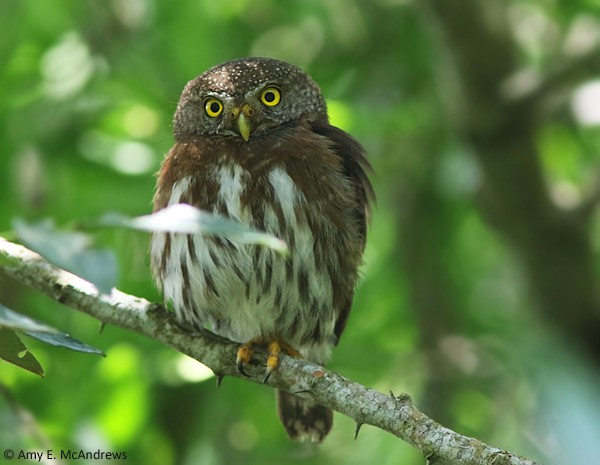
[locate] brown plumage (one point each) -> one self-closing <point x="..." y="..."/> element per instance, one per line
<point x="253" y="143"/>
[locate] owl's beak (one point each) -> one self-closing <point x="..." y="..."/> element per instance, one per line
<point x="243" y="115"/>
<point x="244" y="126"/>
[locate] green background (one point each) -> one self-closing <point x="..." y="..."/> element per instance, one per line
<point x="443" y="312"/>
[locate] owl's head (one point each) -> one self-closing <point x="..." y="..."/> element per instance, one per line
<point x="247" y="97"/>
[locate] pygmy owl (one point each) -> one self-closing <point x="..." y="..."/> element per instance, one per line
<point x="253" y="143"/>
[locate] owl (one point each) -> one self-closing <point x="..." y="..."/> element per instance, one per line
<point x="253" y="143"/>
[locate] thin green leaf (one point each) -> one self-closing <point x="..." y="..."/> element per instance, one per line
<point x="182" y="218"/>
<point x="42" y="332"/>
<point x="14" y="351"/>
<point x="59" y="339"/>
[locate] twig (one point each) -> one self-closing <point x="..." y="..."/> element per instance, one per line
<point x="395" y="414"/>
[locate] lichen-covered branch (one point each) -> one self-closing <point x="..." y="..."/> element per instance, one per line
<point x="395" y="414"/>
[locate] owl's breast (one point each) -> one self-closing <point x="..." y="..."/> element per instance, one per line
<point x="243" y="291"/>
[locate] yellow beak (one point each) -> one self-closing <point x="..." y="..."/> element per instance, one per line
<point x="244" y="126"/>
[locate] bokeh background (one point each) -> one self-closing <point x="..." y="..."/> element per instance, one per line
<point x="479" y="296"/>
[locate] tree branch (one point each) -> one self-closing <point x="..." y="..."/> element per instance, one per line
<point x="396" y="415"/>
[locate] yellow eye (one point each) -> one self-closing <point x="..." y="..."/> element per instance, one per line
<point x="213" y="107"/>
<point x="271" y="96"/>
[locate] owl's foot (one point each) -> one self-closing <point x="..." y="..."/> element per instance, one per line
<point x="274" y="347"/>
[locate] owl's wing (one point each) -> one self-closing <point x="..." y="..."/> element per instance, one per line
<point x="356" y="168"/>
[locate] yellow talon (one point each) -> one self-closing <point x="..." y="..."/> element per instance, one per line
<point x="244" y="355"/>
<point x="272" y="359"/>
<point x="274" y="347"/>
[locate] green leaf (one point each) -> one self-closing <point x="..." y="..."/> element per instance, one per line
<point x="70" y="250"/>
<point x="58" y="339"/>
<point x="14" y="351"/>
<point x="37" y="330"/>
<point x="182" y="218"/>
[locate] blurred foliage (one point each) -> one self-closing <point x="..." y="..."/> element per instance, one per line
<point x="87" y="92"/>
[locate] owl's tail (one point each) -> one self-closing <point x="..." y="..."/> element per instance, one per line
<point x="303" y="420"/>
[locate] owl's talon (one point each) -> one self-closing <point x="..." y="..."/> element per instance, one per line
<point x="244" y="355"/>
<point x="240" y="367"/>
<point x="272" y="359"/>
<point x="274" y="347"/>
<point x="268" y="372"/>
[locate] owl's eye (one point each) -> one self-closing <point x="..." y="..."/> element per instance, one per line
<point x="271" y="96"/>
<point x="213" y="107"/>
